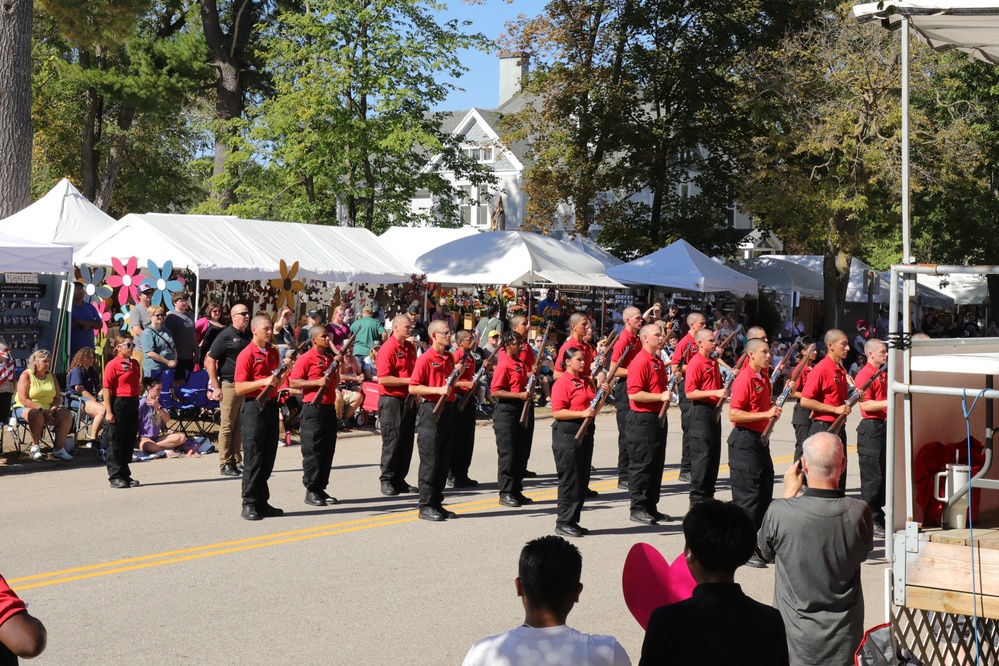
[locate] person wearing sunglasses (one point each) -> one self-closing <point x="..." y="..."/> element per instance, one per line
<point x="220" y="362"/>
<point x="122" y="388"/>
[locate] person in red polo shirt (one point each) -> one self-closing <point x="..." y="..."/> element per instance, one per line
<point x="827" y="387"/>
<point x="871" y="433"/>
<point x="801" y="418"/>
<point x="21" y="635"/>
<point x="120" y="395"/>
<point x="647" y="382"/>
<point x="463" y="439"/>
<point x="749" y="461"/>
<point x="319" y="424"/>
<point x="255" y="371"/>
<point x="685" y="351"/>
<point x="626" y="348"/>
<point x="703" y="388"/>
<point x="520" y="324"/>
<point x="396" y="415"/>
<point x="429" y="380"/>
<point x="580" y="331"/>
<point x="509" y="391"/>
<point x="572" y="396"/>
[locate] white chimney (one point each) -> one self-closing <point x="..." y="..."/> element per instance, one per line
<point x="513" y="68"/>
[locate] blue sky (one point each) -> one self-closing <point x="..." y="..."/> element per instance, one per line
<point x="481" y="83"/>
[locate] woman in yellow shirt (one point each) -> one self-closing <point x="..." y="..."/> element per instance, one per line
<point x="38" y="403"/>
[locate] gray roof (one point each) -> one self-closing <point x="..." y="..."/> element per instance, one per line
<point x="449" y="122"/>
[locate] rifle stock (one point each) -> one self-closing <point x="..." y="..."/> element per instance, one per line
<point x="334" y="366"/>
<point x="524" y="414"/>
<point x="477" y="378"/>
<point x="789" y="387"/>
<point x="451" y="381"/>
<point x="278" y="377"/>
<point x="837" y="425"/>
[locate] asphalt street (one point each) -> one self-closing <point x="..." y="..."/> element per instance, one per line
<point x="168" y="573"/>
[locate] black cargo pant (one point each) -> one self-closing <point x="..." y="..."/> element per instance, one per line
<point x="752" y="472"/>
<point x="126" y="434"/>
<point x="398" y="426"/>
<point x="511" y="448"/>
<point x="623" y="408"/>
<point x="801" y="420"/>
<point x="572" y="462"/>
<point x="259" y="427"/>
<point x="871" y="440"/>
<point x="463" y="438"/>
<point x="685" y="427"/>
<point x="434" y="442"/>
<point x="704" y="436"/>
<point x="646" y="455"/>
<point x="318" y="435"/>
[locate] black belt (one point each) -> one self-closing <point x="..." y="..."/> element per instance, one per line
<point x="704" y="403"/>
<point x="873" y="418"/>
<point x="515" y="402"/>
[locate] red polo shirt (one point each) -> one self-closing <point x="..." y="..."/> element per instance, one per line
<point x="647" y="373"/>
<point x="313" y="365"/>
<point x="827" y="384"/>
<point x="527" y="355"/>
<point x="799" y="386"/>
<point x="702" y="375"/>
<point x="878" y="390"/>
<point x="395" y="359"/>
<point x="432" y="369"/>
<point x="254" y="363"/>
<point x="751" y="393"/>
<point x="509" y="375"/>
<point x="10" y="603"/>
<point x="584" y="347"/>
<point x="123" y="376"/>
<point x="572" y="393"/>
<point x="626" y="339"/>
<point x="467" y="375"/>
<point x="685" y="350"/>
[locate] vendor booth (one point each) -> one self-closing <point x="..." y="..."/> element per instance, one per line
<point x="682" y="267"/>
<point x="63" y="216"/>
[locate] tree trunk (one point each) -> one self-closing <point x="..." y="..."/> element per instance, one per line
<point x="15" y="101"/>
<point x="835" y="279"/>
<point x="115" y="157"/>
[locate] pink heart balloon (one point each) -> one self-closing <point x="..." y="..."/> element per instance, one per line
<point x="649" y="581"/>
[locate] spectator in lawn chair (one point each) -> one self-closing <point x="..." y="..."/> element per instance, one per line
<point x="84" y="386"/>
<point x="153" y="437"/>
<point x="38" y="404"/>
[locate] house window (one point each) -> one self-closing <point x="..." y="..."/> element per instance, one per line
<point x="479" y="153"/>
<point x="475" y="206"/>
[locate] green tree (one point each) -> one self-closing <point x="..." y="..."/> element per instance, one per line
<point x="824" y="160"/>
<point x="348" y="133"/>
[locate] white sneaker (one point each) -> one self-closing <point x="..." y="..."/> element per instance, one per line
<point x="36" y="452"/>
<point x="62" y="454"/>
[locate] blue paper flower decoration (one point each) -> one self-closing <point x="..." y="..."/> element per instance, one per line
<point x="161" y="282"/>
<point x="123" y="317"/>
<point x="93" y="291"/>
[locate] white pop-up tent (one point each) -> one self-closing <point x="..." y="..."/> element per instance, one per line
<point x="964" y="288"/>
<point x="682" y="267"/>
<point x="783" y="276"/>
<point x="63" y="216"/>
<point x="411" y="243"/>
<point x="515" y="258"/>
<point x="230" y="248"/>
<point x="18" y="255"/>
<point x="589" y="247"/>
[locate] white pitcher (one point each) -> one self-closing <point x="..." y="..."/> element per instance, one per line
<point x="955" y="478"/>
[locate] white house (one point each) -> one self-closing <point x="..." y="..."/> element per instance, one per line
<point x="478" y="131"/>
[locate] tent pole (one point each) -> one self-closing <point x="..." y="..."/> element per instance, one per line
<point x="906" y="242"/>
<point x="197" y="295"/>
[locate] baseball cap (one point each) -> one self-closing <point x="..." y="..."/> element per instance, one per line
<point x="314" y="313"/>
<point x="147" y="289"/>
<point x="493" y="334"/>
<point x="414" y="307"/>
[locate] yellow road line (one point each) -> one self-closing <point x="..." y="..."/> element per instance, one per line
<point x="291" y="536"/>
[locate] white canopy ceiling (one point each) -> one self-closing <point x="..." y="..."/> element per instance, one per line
<point x="231" y="248"/>
<point x="63" y="216"/>
<point x="589" y="247"/>
<point x="515" y="258"/>
<point x="963" y="288"/>
<point x="971" y="26"/>
<point x="18" y="255"/>
<point x="680" y="266"/>
<point x="411" y="243"/>
<point x="782" y="276"/>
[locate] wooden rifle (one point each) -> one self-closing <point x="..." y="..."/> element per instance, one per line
<point x="278" y="377"/>
<point x="600" y="362"/>
<point x="854" y="398"/>
<point x="789" y="387"/>
<point x="677" y="376"/>
<point x="721" y="346"/>
<point x="334" y="366"/>
<point x="721" y="402"/>
<point x="478" y="377"/>
<point x="533" y="380"/>
<point x="459" y="368"/>
<point x="601" y="397"/>
<point x="780" y="366"/>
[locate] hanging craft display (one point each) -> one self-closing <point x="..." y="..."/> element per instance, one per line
<point x="287" y="286"/>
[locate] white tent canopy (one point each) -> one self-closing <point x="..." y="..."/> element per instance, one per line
<point x="972" y="27"/>
<point x="230" y="248"/>
<point x="963" y="288"/>
<point x="411" y="243"/>
<point x="783" y="276"/>
<point x="515" y="258"/>
<point x="18" y="255"/>
<point x="589" y="247"/>
<point x="63" y="216"/>
<point x="682" y="267"/>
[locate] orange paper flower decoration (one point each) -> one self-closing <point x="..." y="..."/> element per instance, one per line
<point x="287" y="285"/>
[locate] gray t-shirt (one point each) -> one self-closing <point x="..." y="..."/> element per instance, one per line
<point x="819" y="540"/>
<point x="161" y="342"/>
<point x="181" y="327"/>
<point x="139" y="316"/>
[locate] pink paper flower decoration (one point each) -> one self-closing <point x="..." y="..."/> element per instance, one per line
<point x="126" y="281"/>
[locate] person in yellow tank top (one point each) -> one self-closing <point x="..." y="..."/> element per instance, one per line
<point x="38" y="403"/>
